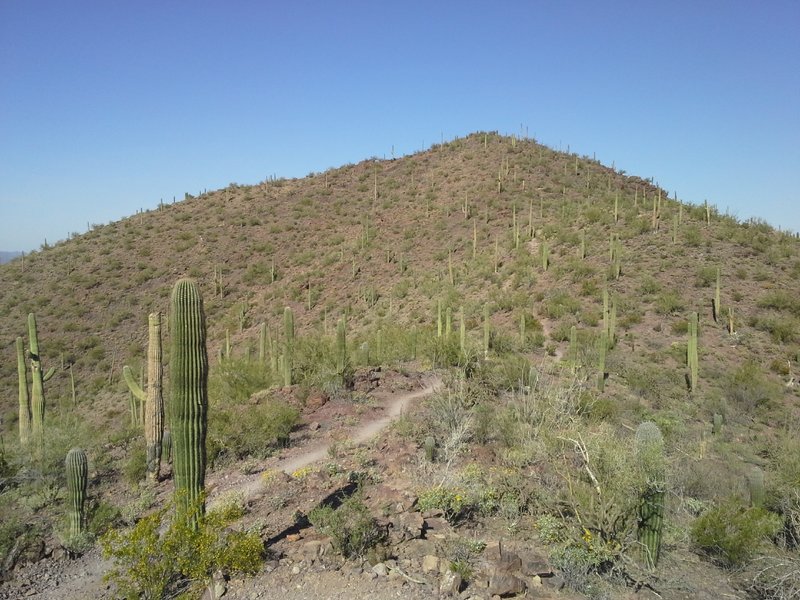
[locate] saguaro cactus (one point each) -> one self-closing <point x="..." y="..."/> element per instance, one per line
<point x="24" y="397"/>
<point x="341" y="346"/>
<point x="288" y="326"/>
<point x="486" y="331"/>
<point x="152" y="400"/>
<point x="692" y="360"/>
<point x="755" y="486"/>
<point x="189" y="394"/>
<point x="716" y="307"/>
<point x="37" y="382"/>
<point x="602" y="347"/>
<point x="77" y="476"/>
<point x="649" y="446"/>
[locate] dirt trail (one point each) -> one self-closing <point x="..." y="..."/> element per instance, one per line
<point x="251" y="487"/>
<point x="83" y="578"/>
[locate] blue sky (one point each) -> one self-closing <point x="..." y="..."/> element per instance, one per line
<point x="107" y="107"/>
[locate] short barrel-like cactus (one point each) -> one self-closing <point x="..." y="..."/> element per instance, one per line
<point x="77" y="468"/>
<point x="649" y="446"/>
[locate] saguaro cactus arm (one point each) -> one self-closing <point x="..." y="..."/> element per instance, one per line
<point x="127" y="375"/>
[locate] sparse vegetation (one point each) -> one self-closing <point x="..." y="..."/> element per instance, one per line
<point x="441" y="261"/>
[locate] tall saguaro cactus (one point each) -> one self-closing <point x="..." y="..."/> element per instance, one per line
<point x="24" y="397"/>
<point x="189" y="393"/>
<point x="288" y="326"/>
<point x="37" y="382"/>
<point x="692" y="360"/>
<point x="341" y="346"/>
<point x="153" y="399"/>
<point x="649" y="446"/>
<point x="77" y="476"/>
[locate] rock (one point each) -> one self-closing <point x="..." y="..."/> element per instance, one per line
<point x="407" y="526"/>
<point x="380" y="569"/>
<point x="430" y="563"/>
<point x="216" y="588"/>
<point x="449" y="584"/>
<point x="418" y="548"/>
<point x="508" y="562"/>
<point x="314" y="426"/>
<point x="537" y="566"/>
<point x="312" y="550"/>
<point x="436" y="525"/>
<point x="295" y="570"/>
<point x="493" y="550"/>
<point x="293" y="537"/>
<point x="316" y="400"/>
<point x="503" y="583"/>
<point x="556" y="581"/>
<point x="58" y="553"/>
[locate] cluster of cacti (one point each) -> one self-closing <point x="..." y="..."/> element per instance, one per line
<point x="218" y="288"/>
<point x="656" y="215"/>
<point x="288" y="348"/>
<point x="77" y="471"/>
<point x="649" y="446"/>
<point x="691" y="353"/>
<point x="152" y="400"/>
<point x="189" y="393"/>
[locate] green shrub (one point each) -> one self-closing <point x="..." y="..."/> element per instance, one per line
<point x="240" y="431"/>
<point x="731" y="533"/>
<point x="234" y="380"/>
<point x="153" y="566"/>
<point x="669" y="303"/>
<point x="135" y="467"/>
<point x="749" y="388"/>
<point x="453" y="503"/>
<point x="352" y="528"/>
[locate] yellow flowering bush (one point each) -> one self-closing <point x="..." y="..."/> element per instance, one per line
<point x="302" y="472"/>
<point x="150" y="565"/>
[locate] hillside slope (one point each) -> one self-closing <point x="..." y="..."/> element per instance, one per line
<point x="488" y="226"/>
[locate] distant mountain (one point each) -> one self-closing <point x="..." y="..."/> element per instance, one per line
<point x="8" y="256"/>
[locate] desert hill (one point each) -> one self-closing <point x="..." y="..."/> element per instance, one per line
<point x="550" y="259"/>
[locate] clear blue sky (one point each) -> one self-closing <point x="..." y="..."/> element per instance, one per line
<point x="107" y="107"/>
